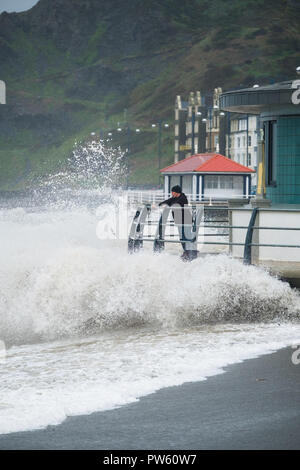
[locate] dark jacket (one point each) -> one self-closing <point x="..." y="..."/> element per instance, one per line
<point x="181" y="200"/>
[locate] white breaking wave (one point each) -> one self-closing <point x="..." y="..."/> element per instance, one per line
<point x="57" y="279"/>
<point x="89" y="327"/>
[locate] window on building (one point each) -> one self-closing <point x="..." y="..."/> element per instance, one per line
<point x="211" y="182"/>
<point x="242" y="124"/>
<point x="187" y="184"/>
<point x="238" y="142"/>
<point x="249" y="141"/>
<point x="244" y="141"/>
<point x="226" y="182"/>
<point x="270" y="138"/>
<point x="234" y="125"/>
<point x="238" y="183"/>
<point x="174" y="180"/>
<point x="219" y="182"/>
<point x="249" y="159"/>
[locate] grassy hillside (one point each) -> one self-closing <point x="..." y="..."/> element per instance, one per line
<point x="73" y="67"/>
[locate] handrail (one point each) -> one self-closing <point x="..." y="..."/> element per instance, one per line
<point x="159" y="195"/>
<point x="248" y="240"/>
<point x="161" y="239"/>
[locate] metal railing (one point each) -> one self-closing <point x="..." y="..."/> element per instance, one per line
<point x="216" y="224"/>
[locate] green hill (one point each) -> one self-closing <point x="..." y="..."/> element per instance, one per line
<point x="73" y="67"/>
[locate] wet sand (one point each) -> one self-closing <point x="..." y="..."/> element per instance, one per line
<point x="253" y="405"/>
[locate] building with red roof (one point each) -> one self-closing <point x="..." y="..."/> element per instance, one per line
<point x="209" y="175"/>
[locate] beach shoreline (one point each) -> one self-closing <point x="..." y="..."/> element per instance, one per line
<point x="252" y="405"/>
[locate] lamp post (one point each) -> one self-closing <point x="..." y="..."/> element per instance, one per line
<point x="128" y="149"/>
<point x="198" y="114"/>
<point x="204" y="120"/>
<point x="160" y="124"/>
<point x="2" y="92"/>
<point x="222" y="133"/>
<point x="209" y="128"/>
<point x="193" y="132"/>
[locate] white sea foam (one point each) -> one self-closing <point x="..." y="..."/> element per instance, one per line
<point x="43" y="384"/>
<point x="58" y="279"/>
<point x="89" y="327"/>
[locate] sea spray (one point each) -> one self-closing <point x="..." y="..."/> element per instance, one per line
<point x="93" y="168"/>
<point x="87" y="327"/>
<point x="59" y="280"/>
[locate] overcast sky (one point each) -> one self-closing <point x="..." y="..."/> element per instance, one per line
<point x="16" y="5"/>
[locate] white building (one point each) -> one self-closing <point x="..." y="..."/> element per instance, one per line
<point x="208" y="176"/>
<point x="241" y="143"/>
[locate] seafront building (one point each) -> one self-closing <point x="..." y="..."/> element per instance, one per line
<point x="241" y="141"/>
<point x="201" y="127"/>
<point x="273" y="216"/>
<point x="208" y="176"/>
<point x="259" y="129"/>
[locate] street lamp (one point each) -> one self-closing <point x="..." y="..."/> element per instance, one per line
<point x="210" y="125"/>
<point x="198" y="114"/>
<point x="166" y="126"/>
<point x="2" y="92"/>
<point x="127" y="129"/>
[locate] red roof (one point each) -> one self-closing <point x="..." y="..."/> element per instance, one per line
<point x="207" y="163"/>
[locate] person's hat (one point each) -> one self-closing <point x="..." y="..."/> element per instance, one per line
<point x="176" y="189"/>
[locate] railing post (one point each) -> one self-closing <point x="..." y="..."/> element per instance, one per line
<point x="135" y="239"/>
<point x="159" y="241"/>
<point x="248" y="239"/>
<point x="159" y="244"/>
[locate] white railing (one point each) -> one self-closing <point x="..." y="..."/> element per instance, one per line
<point x="146" y="197"/>
<point x="156" y="196"/>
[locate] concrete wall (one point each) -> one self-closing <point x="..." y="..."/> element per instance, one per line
<point x="238" y="217"/>
<point x="267" y="218"/>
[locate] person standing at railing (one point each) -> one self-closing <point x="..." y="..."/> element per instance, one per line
<point x="180" y="199"/>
